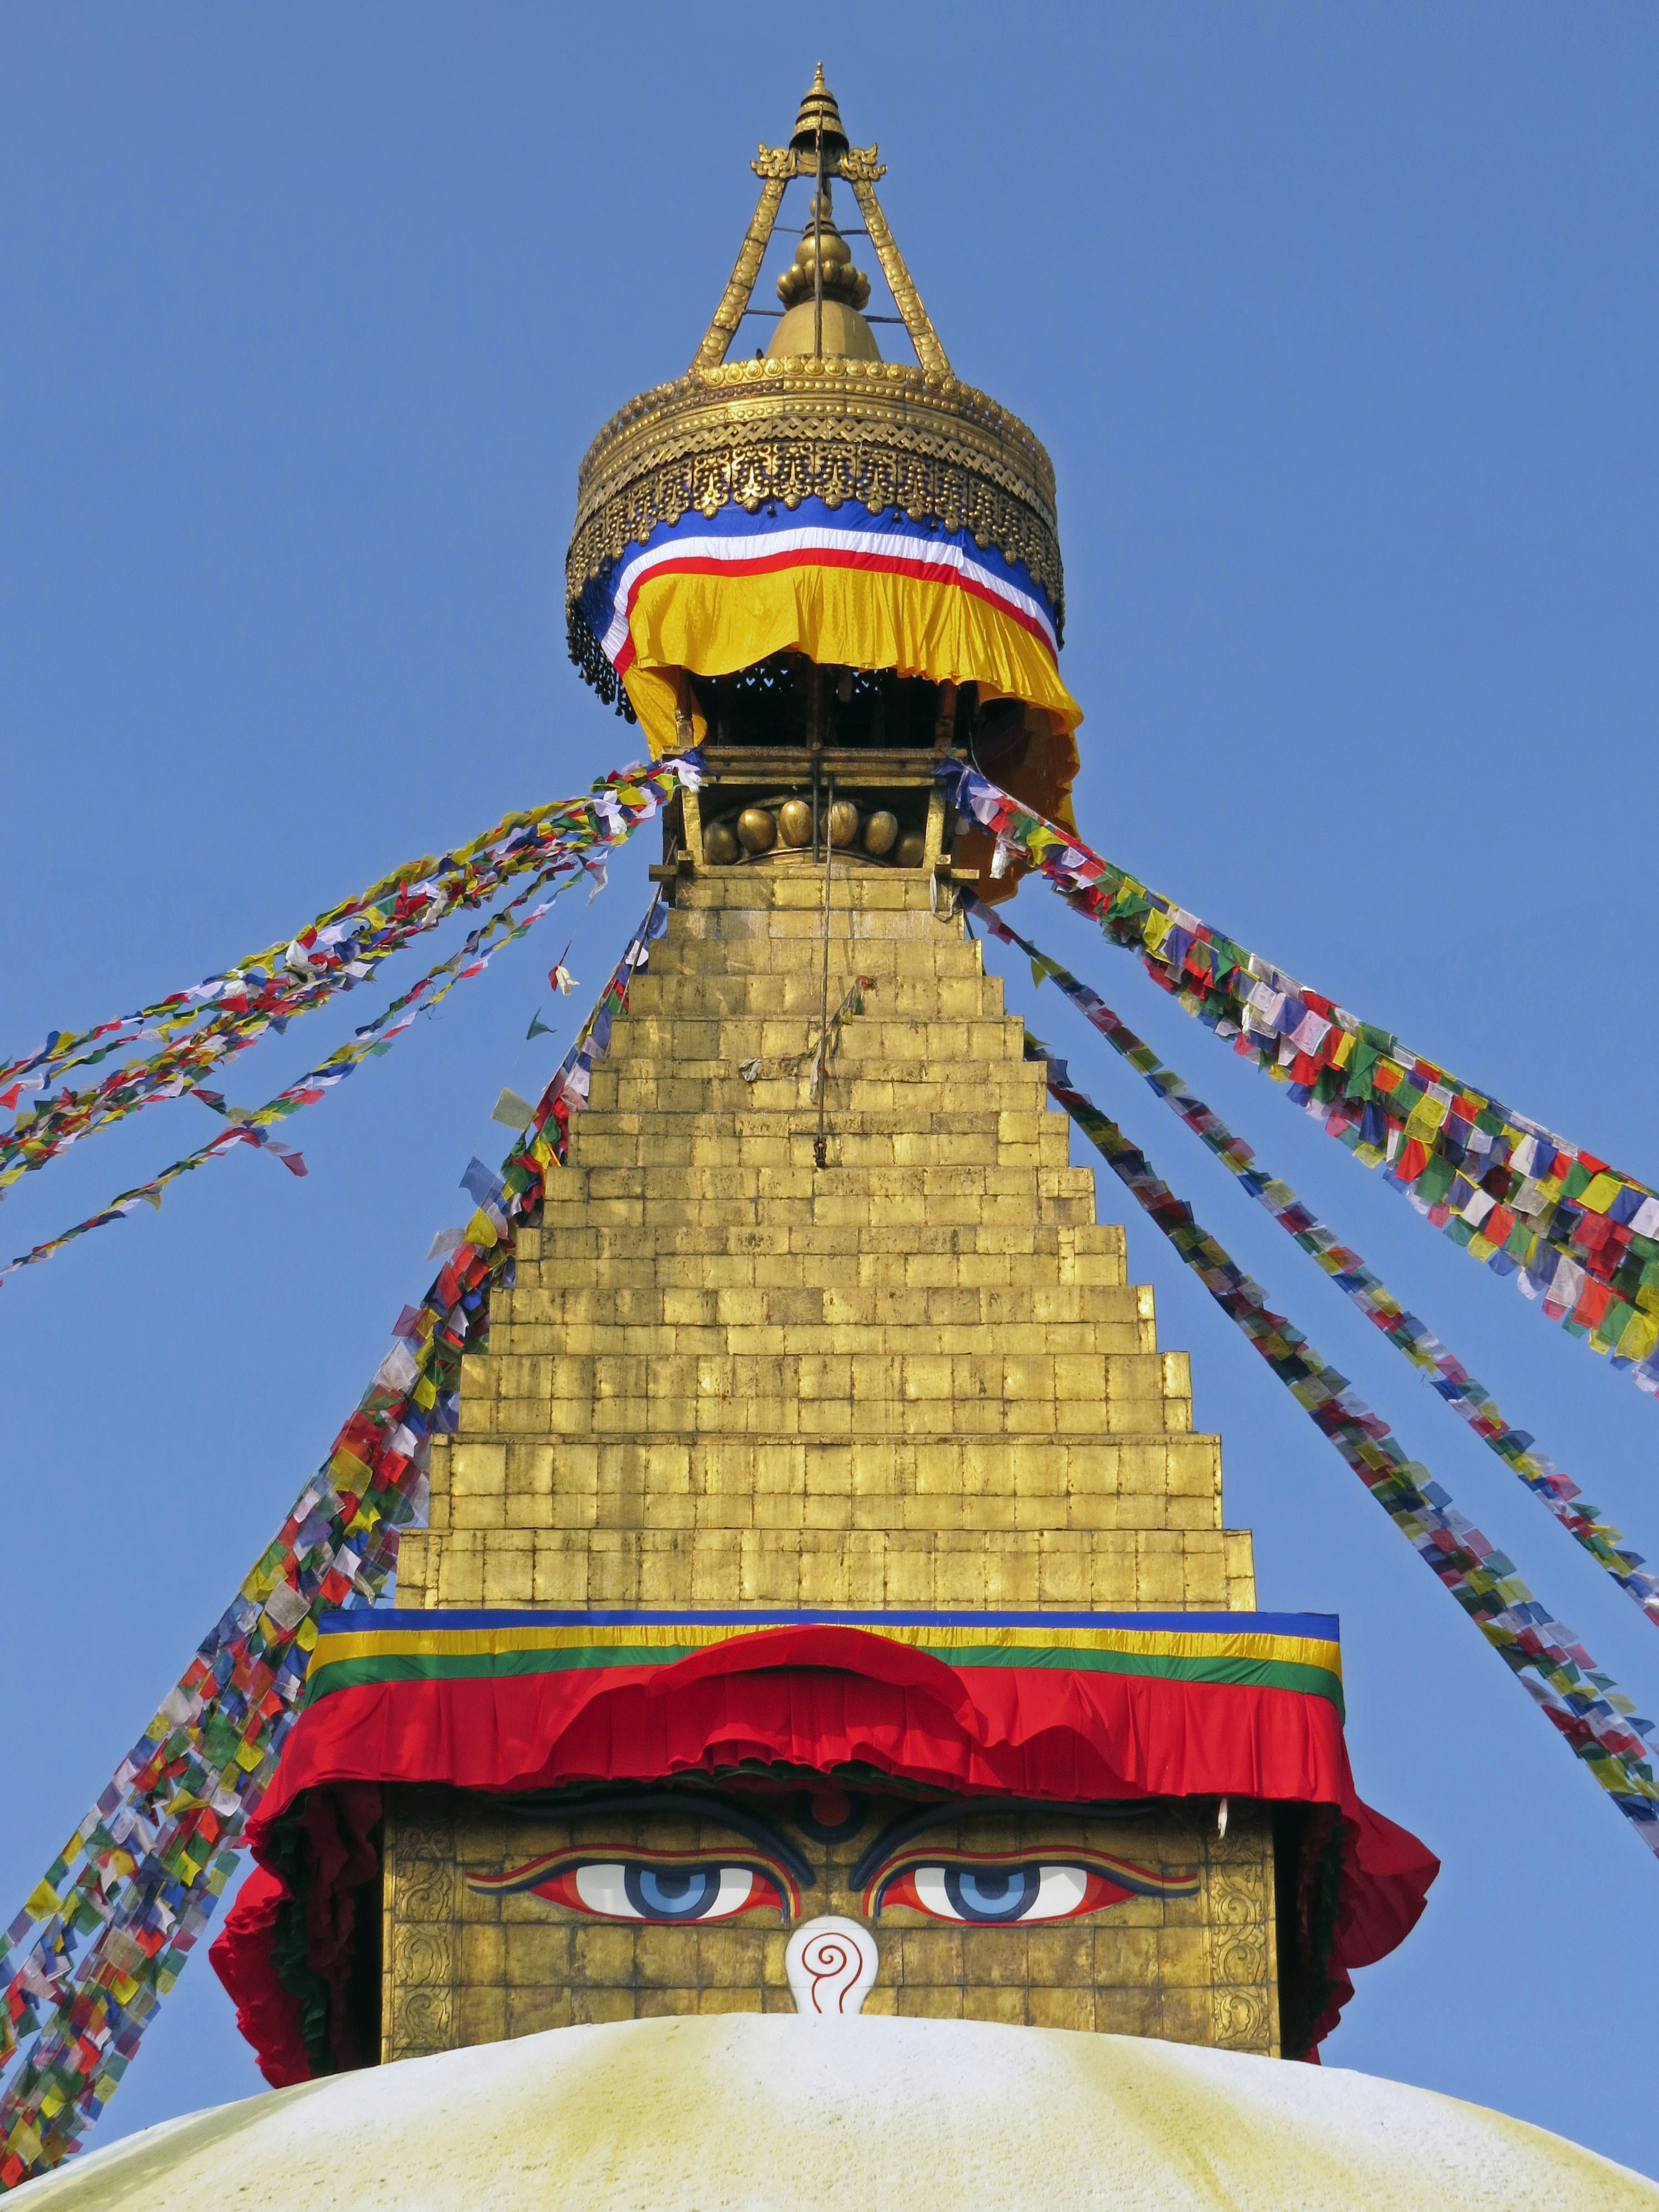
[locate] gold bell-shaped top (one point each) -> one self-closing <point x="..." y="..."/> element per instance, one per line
<point x="841" y="280"/>
<point x="823" y="317"/>
<point x="818" y="112"/>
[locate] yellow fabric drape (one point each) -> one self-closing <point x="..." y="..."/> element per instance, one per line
<point x="713" y="625"/>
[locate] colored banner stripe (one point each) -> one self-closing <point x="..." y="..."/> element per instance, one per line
<point x="736" y="543"/>
<point x="1229" y="1649"/>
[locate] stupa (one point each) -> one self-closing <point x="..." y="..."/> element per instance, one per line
<point x="826" y="1604"/>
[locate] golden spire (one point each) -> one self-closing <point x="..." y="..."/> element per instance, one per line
<point x="829" y="324"/>
<point x="841" y="280"/>
<point x="818" y="112"/>
<point x="821" y="414"/>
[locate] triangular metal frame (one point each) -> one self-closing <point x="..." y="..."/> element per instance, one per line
<point x="776" y="165"/>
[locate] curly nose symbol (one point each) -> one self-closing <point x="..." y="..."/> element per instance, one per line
<point x="831" y="1964"/>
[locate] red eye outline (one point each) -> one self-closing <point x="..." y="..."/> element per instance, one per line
<point x="553" y="1876"/>
<point x="1109" y="1880"/>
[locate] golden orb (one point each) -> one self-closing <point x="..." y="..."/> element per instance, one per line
<point x="757" y="831"/>
<point x="795" y="822"/>
<point x="843" y="821"/>
<point x="719" y="846"/>
<point x="880" y="832"/>
<point x="911" y="850"/>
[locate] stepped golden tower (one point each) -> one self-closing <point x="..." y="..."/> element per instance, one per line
<point x="826" y="1603"/>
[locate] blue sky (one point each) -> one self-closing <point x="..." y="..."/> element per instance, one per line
<point x="1339" y="324"/>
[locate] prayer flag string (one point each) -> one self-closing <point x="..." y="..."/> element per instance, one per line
<point x="141" y="1875"/>
<point x="1578" y="1237"/>
<point x="1547" y="1659"/>
<point x="192" y="1031"/>
<point x="252" y="1126"/>
<point x="1447" y="1375"/>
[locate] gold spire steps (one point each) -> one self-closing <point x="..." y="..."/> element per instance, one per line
<point x="909" y="1374"/>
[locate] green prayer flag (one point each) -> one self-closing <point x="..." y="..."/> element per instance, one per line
<point x="538" y="1027"/>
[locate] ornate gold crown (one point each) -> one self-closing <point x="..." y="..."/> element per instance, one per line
<point x="821" y="415"/>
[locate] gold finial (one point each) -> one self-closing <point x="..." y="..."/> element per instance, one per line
<point x="841" y="280"/>
<point x="818" y="112"/>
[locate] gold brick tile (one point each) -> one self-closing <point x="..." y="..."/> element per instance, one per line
<point x="933" y="1338"/>
<point x="480" y="2015"/>
<point x="1184" y="2015"/>
<point x="1061" y="2008"/>
<point x="1128" y="2011"/>
<point x="1008" y="2007"/>
<point x="656" y="2003"/>
<point x="530" y="2011"/>
<point x="595" y="2007"/>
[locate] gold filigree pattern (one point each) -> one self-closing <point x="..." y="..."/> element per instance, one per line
<point x="906" y="298"/>
<point x="878" y="432"/>
<point x="425" y="1888"/>
<point x="422" y="1961"/>
<point x="859" y="166"/>
<point x="1239" y="2019"/>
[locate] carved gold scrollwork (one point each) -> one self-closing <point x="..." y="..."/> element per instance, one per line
<point x="425" y="2020"/>
<point x="1238" y="2020"/>
<point x="423" y="1957"/>
<point x="776" y="163"/>
<point x="759" y="431"/>
<point x="425" y="1883"/>
<point x="859" y="166"/>
<point x="1235" y="1893"/>
<point x="1239" y="1954"/>
<point x="1236" y="1914"/>
<point x="421" y="2009"/>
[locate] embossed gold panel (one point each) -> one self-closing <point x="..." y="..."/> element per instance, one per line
<point x="1192" y="1968"/>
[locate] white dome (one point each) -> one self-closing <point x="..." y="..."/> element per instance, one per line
<point x="729" y="2113"/>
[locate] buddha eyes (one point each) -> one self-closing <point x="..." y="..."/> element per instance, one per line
<point x="987" y="1889"/>
<point x="667" y="1888"/>
<point x="666" y="1891"/>
<point x="997" y="1891"/>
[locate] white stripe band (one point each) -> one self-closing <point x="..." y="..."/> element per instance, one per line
<point x="809" y="538"/>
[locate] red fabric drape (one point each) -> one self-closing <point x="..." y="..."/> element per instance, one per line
<point x="820" y="1698"/>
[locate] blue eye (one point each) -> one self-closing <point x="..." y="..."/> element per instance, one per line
<point x="991" y="1893"/>
<point x="997" y="1892"/>
<point x="670" y="1893"/>
<point x="663" y="1889"/>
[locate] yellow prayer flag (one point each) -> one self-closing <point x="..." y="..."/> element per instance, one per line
<point x="42" y="1901"/>
<point x="1600" y="1192"/>
<point x="306" y="1635"/>
<point x="249" y="1755"/>
<point x="1639" y="1336"/>
<point x="1426" y="1116"/>
<point x="480" y="1231"/>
